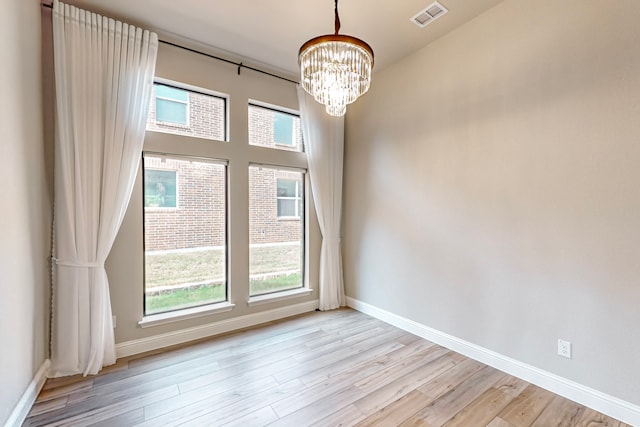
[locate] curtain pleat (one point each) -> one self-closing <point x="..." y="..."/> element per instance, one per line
<point x="104" y="74"/>
<point x="324" y="144"/>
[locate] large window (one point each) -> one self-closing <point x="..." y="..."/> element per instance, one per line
<point x="193" y="255"/>
<point x="185" y="248"/>
<point x="276" y="247"/>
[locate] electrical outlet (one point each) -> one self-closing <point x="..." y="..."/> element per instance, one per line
<point x="564" y="348"/>
<point x="113" y="320"/>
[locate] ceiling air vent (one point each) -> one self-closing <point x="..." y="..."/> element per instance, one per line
<point x="426" y="16"/>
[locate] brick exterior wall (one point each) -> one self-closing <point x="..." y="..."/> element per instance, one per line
<point x="264" y="225"/>
<point x="206" y="118"/>
<point x="199" y="218"/>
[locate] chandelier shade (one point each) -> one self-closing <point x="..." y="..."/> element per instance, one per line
<point x="335" y="69"/>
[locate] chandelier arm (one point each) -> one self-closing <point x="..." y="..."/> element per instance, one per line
<point x="337" y="24"/>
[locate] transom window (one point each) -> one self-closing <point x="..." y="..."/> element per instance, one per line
<point x="269" y="127"/>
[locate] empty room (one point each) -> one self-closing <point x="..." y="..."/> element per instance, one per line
<point x="320" y="213"/>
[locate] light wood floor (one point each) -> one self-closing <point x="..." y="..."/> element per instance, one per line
<point x="321" y="369"/>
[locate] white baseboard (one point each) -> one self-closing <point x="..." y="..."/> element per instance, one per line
<point x="601" y="402"/>
<point x="181" y="336"/>
<point x="20" y="412"/>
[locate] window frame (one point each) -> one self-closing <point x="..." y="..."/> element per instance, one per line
<point x="162" y="317"/>
<point x="298" y="199"/>
<point x="224" y="97"/>
<point x="236" y="150"/>
<point x="303" y="218"/>
<point x="280" y="110"/>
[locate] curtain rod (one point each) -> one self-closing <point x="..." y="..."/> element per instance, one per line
<point x="240" y="65"/>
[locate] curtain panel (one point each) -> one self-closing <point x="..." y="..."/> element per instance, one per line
<point x="103" y="78"/>
<point x="324" y="144"/>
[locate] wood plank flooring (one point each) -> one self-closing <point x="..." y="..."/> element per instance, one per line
<point x="339" y="368"/>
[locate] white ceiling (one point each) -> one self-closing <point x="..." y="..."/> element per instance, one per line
<point x="270" y="32"/>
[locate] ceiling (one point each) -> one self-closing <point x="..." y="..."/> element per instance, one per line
<point x="270" y="32"/>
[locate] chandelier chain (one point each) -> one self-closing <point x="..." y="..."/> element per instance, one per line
<point x="337" y="23"/>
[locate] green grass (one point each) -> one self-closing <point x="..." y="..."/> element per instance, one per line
<point x="275" y="284"/>
<point x="183" y="298"/>
<point x="208" y="265"/>
<point x="184" y="267"/>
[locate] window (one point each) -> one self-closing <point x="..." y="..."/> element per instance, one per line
<point x="269" y="127"/>
<point x="186" y="110"/>
<point x="276" y="248"/>
<point x="283" y="129"/>
<point x="289" y="194"/>
<point x="171" y="105"/>
<point x="185" y="248"/>
<point x="160" y="188"/>
<point x="190" y="192"/>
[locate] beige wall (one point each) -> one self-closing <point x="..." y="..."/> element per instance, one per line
<point x="125" y="263"/>
<point x="25" y="218"/>
<point x="491" y="188"/>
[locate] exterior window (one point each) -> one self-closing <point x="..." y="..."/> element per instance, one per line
<point x="283" y="129"/>
<point x="172" y="105"/>
<point x="187" y="111"/>
<point x="289" y="194"/>
<point x="276" y="248"/>
<point x="185" y="248"/>
<point x="271" y="128"/>
<point x="160" y="188"/>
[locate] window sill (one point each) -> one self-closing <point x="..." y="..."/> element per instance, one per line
<point x="187" y="313"/>
<point x="278" y="296"/>
<point x="288" y="218"/>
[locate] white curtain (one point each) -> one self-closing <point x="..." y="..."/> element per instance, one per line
<point x="324" y="144"/>
<point x="104" y="74"/>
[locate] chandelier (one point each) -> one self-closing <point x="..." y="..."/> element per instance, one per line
<point x="335" y="69"/>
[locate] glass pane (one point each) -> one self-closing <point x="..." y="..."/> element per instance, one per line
<point x="276" y="246"/>
<point x="169" y="92"/>
<point x="274" y="129"/>
<point x="187" y="113"/>
<point x="283" y="128"/>
<point x="185" y="247"/>
<point x="160" y="189"/>
<point x="171" y="111"/>
<point x="286" y="207"/>
<point x="286" y="188"/>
